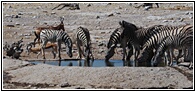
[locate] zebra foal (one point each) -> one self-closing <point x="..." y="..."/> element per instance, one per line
<point x="83" y="39"/>
<point x="59" y="36"/>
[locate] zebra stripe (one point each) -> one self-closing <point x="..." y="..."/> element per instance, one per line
<point x="167" y="31"/>
<point x="179" y="41"/>
<point x="59" y="36"/>
<point x="140" y="36"/>
<point x="83" y="39"/>
<point x="152" y="42"/>
<point x="115" y="37"/>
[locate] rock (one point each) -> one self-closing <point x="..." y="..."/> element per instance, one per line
<point x="180" y="19"/>
<point x="165" y="20"/>
<point x="100" y="44"/>
<point x="88" y="5"/>
<point x="109" y="4"/>
<point x="20" y="13"/>
<point x="7" y="15"/>
<point x="53" y="13"/>
<point x="9" y="6"/>
<point x="102" y="32"/>
<point x="147" y="7"/>
<point x="117" y="12"/>
<point x="34" y="16"/>
<point x="10" y="25"/>
<point x="17" y="23"/>
<point x="97" y="17"/>
<point x="101" y="51"/>
<point x="66" y="84"/>
<point x="110" y="15"/>
<point x="119" y="7"/>
<point x="17" y="16"/>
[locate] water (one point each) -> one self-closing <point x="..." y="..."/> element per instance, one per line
<point x="97" y="63"/>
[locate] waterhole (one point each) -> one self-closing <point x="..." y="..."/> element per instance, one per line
<point x="96" y="63"/>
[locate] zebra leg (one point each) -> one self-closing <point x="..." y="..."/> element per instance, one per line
<point x="79" y="50"/>
<point x="92" y="59"/>
<point x="110" y="53"/>
<point x="59" y="51"/>
<point x="79" y="53"/>
<point x="171" y="57"/>
<point x="130" y="53"/>
<point x="179" y="55"/>
<point x="166" y="58"/>
<point x="190" y="56"/>
<point x="124" y="44"/>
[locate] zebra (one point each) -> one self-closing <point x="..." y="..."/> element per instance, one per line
<point x="137" y="38"/>
<point x="177" y="41"/>
<point x="158" y="37"/>
<point x="39" y="29"/>
<point x="83" y="39"/>
<point x="127" y="33"/>
<point x="114" y="39"/>
<point x="58" y="36"/>
<point x="120" y="35"/>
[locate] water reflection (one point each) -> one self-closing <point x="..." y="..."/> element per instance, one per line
<point x="96" y="63"/>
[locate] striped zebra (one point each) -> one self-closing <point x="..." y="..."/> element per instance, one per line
<point x="59" y="36"/>
<point x="158" y="37"/>
<point x="128" y="32"/>
<point x="83" y="39"/>
<point x="137" y="38"/>
<point x="179" y="41"/>
<point x="120" y="35"/>
<point x="114" y="39"/>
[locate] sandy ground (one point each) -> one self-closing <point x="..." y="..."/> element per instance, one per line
<point x="21" y="74"/>
<point x="101" y="19"/>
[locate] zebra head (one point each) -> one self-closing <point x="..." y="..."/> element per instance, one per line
<point x="126" y="24"/>
<point x="145" y="56"/>
<point x="69" y="47"/>
<point x="110" y="52"/>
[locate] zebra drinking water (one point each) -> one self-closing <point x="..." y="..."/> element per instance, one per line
<point x="59" y="36"/>
<point x="83" y="39"/>
<point x="179" y="41"/>
<point x="156" y="38"/>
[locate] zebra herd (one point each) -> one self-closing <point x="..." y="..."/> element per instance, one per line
<point x="149" y="44"/>
<point x="145" y="44"/>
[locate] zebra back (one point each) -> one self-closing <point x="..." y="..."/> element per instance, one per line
<point x="176" y="41"/>
<point x="54" y="35"/>
<point x="84" y="36"/>
<point x="163" y="32"/>
<point x="115" y="37"/>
